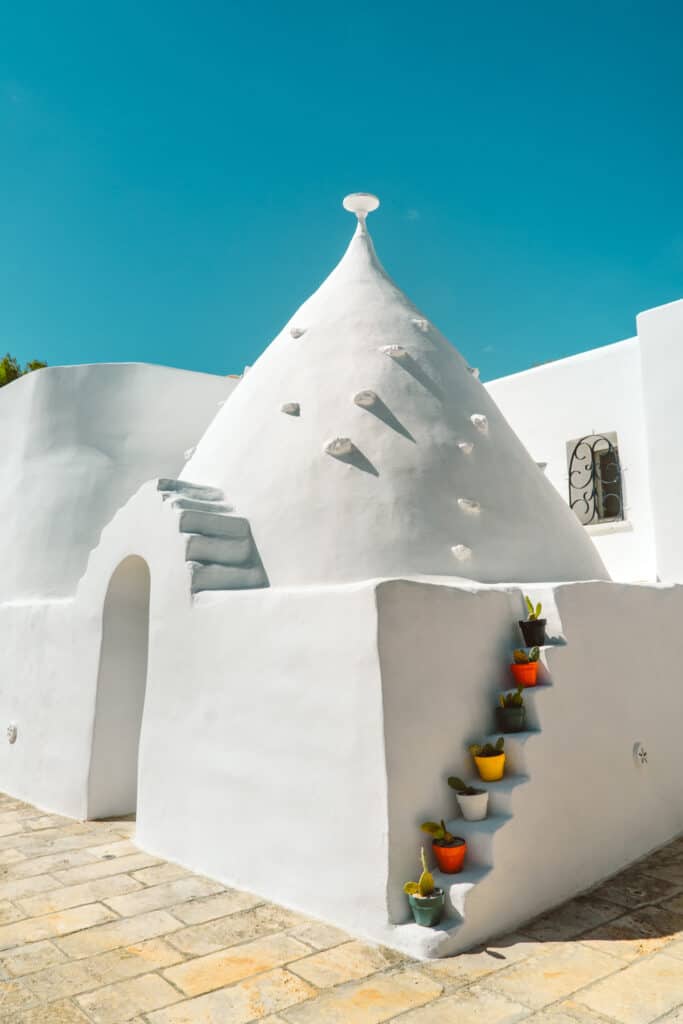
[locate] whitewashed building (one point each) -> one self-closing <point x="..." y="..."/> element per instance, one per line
<point x="270" y="616"/>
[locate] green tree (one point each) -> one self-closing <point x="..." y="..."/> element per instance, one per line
<point x="10" y="368"/>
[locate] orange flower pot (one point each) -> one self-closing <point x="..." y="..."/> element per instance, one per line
<point x="450" y="858"/>
<point x="525" y="675"/>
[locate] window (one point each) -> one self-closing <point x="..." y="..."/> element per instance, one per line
<point x="595" y="492"/>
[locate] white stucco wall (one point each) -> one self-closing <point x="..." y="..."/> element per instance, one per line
<point x="79" y="440"/>
<point x="444" y="654"/>
<point x="661" y="351"/>
<point x="595" y="392"/>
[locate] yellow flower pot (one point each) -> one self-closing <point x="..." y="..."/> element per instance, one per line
<point x="490" y="769"/>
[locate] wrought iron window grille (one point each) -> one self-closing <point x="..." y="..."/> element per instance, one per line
<point x="595" y="479"/>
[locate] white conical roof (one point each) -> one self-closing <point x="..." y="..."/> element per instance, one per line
<point x="360" y="444"/>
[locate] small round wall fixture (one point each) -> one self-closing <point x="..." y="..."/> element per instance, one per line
<point x="421" y="324"/>
<point x="466" y="447"/>
<point x="480" y="422"/>
<point x="394" y="351"/>
<point x="365" y="399"/>
<point x="297" y="332"/>
<point x="461" y="552"/>
<point x="339" y="446"/>
<point x="291" y="408"/>
<point x="469" y="506"/>
<point x="12" y="732"/>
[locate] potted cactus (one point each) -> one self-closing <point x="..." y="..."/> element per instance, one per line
<point x="473" y="803"/>
<point x="448" y="849"/>
<point x="511" y="713"/>
<point x="524" y="666"/>
<point x="426" y="901"/>
<point x="489" y="759"/>
<point x="533" y="628"/>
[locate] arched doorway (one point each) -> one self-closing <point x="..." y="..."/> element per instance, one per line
<point x="122" y="675"/>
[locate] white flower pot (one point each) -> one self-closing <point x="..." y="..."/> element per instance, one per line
<point x="473" y="808"/>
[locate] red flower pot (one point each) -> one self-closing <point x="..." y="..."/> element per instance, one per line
<point x="449" y="858"/>
<point x="525" y="675"/>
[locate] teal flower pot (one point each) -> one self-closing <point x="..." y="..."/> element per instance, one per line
<point x="427" y="910"/>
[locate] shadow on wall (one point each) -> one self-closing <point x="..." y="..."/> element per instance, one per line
<point x="121" y="681"/>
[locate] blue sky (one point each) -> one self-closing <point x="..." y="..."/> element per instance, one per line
<point x="171" y="174"/>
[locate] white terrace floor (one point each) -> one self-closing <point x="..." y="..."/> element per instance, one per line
<point x="93" y="930"/>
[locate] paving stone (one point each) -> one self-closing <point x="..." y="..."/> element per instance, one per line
<point x="125" y="999"/>
<point x="347" y="962"/>
<point x="672" y="872"/>
<point x="552" y="975"/>
<point x="67" y="896"/>
<point x="469" y="1006"/>
<point x="675" y="949"/>
<point x="203" y="974"/>
<point x="53" y="862"/>
<point x="46" y="821"/>
<point x="675" y="1017"/>
<point x="634" y="888"/>
<point x="56" y="841"/>
<point x="248" y="1000"/>
<point x="319" y="935"/>
<point x="117" y="848"/>
<point x="160" y="873"/>
<point x="11" y="856"/>
<point x="34" y="957"/>
<point x="21" y="887"/>
<point x="368" y="1002"/>
<point x="675" y="904"/>
<point x="198" y="940"/>
<point x="9" y="913"/>
<point x="13" y="997"/>
<point x="100" y="869"/>
<point x="638" y="934"/>
<point x="641" y="993"/>
<point x="197" y="911"/>
<point x="64" y="1012"/>
<point x="36" y="928"/>
<point x="569" y="920"/>
<point x="125" y="932"/>
<point x="77" y="976"/>
<point x="160" y="896"/>
<point x="567" y="1013"/>
<point x="11" y="828"/>
<point x="456" y="971"/>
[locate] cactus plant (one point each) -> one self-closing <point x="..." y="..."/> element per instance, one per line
<point x="487" y="749"/>
<point x="512" y="699"/>
<point x="425" y="885"/>
<point x="534" y="612"/>
<point x="460" y="787"/>
<point x="520" y="656"/>
<point x="438" y="832"/>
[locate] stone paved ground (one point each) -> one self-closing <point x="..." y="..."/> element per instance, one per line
<point x="93" y="930"/>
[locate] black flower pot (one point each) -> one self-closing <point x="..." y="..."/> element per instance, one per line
<point x="510" y="719"/>
<point x="533" y="631"/>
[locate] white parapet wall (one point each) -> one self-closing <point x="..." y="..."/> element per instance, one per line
<point x="81" y="440"/>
